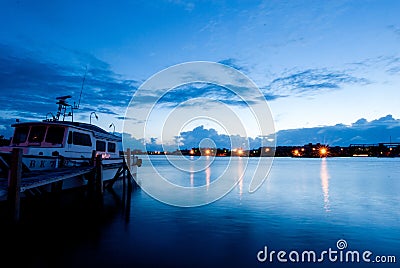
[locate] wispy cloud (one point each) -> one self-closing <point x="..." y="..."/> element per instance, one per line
<point x="187" y="5"/>
<point x="231" y="62"/>
<point x="394" y="29"/>
<point x="311" y="81"/>
<point x="393" y="65"/>
<point x="188" y="92"/>
<point x="301" y="82"/>
<point x="293" y="83"/>
<point x="389" y="64"/>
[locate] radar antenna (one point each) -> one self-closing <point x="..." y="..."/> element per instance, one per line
<point x="62" y="107"/>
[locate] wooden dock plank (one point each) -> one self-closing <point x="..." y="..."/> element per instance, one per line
<point x="44" y="178"/>
<point x="40" y="178"/>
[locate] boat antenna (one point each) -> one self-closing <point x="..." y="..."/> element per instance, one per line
<point x="83" y="81"/>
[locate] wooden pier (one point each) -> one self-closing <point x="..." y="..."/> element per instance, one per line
<point x="31" y="183"/>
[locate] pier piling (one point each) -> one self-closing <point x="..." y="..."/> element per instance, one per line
<point x="98" y="176"/>
<point x="14" y="183"/>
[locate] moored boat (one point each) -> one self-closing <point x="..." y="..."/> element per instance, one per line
<point x="54" y="143"/>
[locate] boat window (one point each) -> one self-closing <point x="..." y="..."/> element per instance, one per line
<point x="20" y="135"/>
<point x="55" y="135"/>
<point x="81" y="139"/>
<point x="101" y="146"/>
<point x="70" y="137"/>
<point x="37" y="134"/>
<point x="111" y="147"/>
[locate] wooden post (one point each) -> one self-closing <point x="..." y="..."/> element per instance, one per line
<point x="129" y="163"/>
<point x="92" y="176"/>
<point x="56" y="187"/>
<point x="93" y="158"/>
<point x="14" y="183"/>
<point x="128" y="159"/>
<point x="124" y="173"/>
<point x="61" y="161"/>
<point x="99" y="176"/>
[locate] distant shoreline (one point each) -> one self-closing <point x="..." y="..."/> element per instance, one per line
<point x="305" y="151"/>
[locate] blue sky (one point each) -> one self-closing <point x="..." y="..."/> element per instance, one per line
<point x="318" y="63"/>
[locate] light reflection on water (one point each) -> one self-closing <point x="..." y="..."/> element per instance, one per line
<point x="191" y="177"/>
<point x="325" y="183"/>
<point x="240" y="166"/>
<point x="208" y="176"/>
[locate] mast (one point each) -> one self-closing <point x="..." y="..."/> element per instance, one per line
<point x="63" y="105"/>
<point x="80" y="95"/>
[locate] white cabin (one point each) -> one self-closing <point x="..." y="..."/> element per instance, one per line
<point x="71" y="140"/>
<point x="45" y="142"/>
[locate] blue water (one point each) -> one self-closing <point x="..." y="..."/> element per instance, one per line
<point x="305" y="204"/>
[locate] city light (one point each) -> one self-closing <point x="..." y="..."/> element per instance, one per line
<point x="323" y="151"/>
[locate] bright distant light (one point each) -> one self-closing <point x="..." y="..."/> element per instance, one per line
<point x="323" y="151"/>
<point x="207" y="152"/>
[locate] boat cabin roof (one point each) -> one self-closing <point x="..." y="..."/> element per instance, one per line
<point x="97" y="131"/>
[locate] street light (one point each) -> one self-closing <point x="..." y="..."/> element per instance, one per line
<point x="95" y="115"/>
<point x="112" y="125"/>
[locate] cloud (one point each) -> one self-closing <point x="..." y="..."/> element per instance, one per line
<point x="187" y="5"/>
<point x="31" y="81"/>
<point x="186" y="94"/>
<point x="389" y="64"/>
<point x="231" y="62"/>
<point x="311" y="81"/>
<point x="195" y="138"/>
<point x="145" y="145"/>
<point x="304" y="82"/>
<point x="394" y="29"/>
<point x="362" y="131"/>
<point x="393" y="65"/>
<point x="375" y="131"/>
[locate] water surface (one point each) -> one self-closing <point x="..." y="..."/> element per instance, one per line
<point x="305" y="204"/>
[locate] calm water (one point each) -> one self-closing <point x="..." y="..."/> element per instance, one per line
<point x="305" y="204"/>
